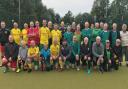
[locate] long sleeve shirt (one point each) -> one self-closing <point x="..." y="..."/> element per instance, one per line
<point x="75" y="48"/>
<point x="65" y="51"/>
<point x="11" y="50"/>
<point x="97" y="50"/>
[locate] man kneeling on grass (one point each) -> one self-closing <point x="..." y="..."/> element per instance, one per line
<point x="33" y="56"/>
<point x="65" y="53"/>
<point x="117" y="53"/>
<point x="98" y="53"/>
<point x="11" y="53"/>
<point x="54" y="49"/>
<point x="86" y="55"/>
<point x="45" y="58"/>
<point x="22" y="56"/>
<point x="75" y="58"/>
<point x="108" y="56"/>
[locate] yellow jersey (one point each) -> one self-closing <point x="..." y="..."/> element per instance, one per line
<point x="16" y="33"/>
<point x="33" y="51"/>
<point x="24" y="35"/>
<point x="54" y="49"/>
<point x="56" y="34"/>
<point x="44" y="35"/>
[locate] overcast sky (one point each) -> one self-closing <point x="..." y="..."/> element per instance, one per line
<point x="76" y="6"/>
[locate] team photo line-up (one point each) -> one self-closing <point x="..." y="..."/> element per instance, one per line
<point x="59" y="47"/>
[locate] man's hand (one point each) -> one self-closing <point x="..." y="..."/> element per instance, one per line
<point x="110" y="61"/>
<point x="10" y="59"/>
<point x="85" y="57"/>
<point x="89" y="58"/>
<point x="77" y="57"/>
<point x="115" y="56"/>
<point x="54" y="57"/>
<point x="101" y="56"/>
<point x="64" y="58"/>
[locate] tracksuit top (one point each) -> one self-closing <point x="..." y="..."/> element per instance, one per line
<point x="45" y="53"/>
<point x="75" y="48"/>
<point x="68" y="36"/>
<point x="4" y="34"/>
<point x="96" y="32"/>
<point x="65" y="51"/>
<point x="11" y="50"/>
<point x="104" y="36"/>
<point x="87" y="33"/>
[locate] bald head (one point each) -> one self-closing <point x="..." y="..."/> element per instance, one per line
<point x="86" y="24"/>
<point x="31" y="24"/>
<point x="98" y="39"/>
<point x="124" y="27"/>
<point x="15" y="24"/>
<point x="114" y="26"/>
<point x="86" y="40"/>
<point x="97" y="25"/>
<point x="32" y="43"/>
<point x="105" y="26"/>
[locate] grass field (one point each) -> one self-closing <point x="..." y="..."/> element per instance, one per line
<point x="65" y="80"/>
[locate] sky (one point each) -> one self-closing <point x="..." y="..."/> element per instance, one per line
<point x="63" y="6"/>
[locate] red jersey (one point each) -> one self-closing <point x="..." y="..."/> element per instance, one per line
<point x="32" y="35"/>
<point x="37" y="35"/>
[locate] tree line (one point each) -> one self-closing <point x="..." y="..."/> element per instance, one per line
<point x="32" y="10"/>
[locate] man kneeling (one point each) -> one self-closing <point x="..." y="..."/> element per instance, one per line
<point x="11" y="53"/>
<point x="98" y="53"/>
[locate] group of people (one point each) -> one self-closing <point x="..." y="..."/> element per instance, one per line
<point x="59" y="47"/>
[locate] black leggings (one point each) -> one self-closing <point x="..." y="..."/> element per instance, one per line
<point x="20" y="62"/>
<point x="86" y="62"/>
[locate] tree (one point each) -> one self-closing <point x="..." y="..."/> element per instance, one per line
<point x="31" y="10"/>
<point x="119" y="11"/>
<point x="100" y="9"/>
<point x="68" y="18"/>
<point x="82" y="18"/>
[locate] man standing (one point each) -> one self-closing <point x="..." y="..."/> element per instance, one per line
<point x="124" y="40"/>
<point x="16" y="33"/>
<point x="96" y="32"/>
<point x="85" y="52"/>
<point x="104" y="34"/>
<point x="32" y="34"/>
<point x="44" y="34"/>
<point x="4" y="34"/>
<point x="87" y="32"/>
<point x="56" y="34"/>
<point x="75" y="54"/>
<point x="62" y="28"/>
<point x="114" y="34"/>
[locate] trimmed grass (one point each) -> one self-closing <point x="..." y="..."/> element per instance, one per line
<point x="65" y="80"/>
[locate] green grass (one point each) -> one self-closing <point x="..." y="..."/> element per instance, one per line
<point x="65" y="80"/>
